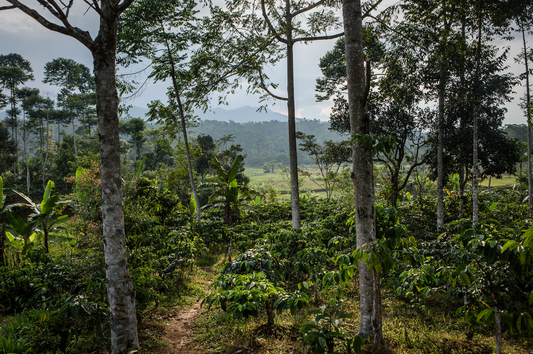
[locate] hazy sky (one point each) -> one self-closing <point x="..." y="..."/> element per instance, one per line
<point x="21" y="34"/>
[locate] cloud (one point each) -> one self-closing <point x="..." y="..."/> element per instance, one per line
<point x="14" y="21"/>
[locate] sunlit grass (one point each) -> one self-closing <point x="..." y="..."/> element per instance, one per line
<point x="429" y="326"/>
<point x="505" y="181"/>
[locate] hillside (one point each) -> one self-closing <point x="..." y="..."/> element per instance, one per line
<point x="266" y="141"/>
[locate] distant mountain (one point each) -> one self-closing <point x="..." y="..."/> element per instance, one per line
<point x="238" y="115"/>
<point x="268" y="140"/>
<point x="263" y="136"/>
<point x="242" y="115"/>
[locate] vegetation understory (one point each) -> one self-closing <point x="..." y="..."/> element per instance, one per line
<point x="282" y="290"/>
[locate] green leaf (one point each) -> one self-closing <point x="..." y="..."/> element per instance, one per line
<point x="48" y="190"/>
<point x="531" y="298"/>
<point x="11" y="239"/>
<point x="528" y="237"/>
<point x="509" y="244"/>
<point x="322" y="342"/>
<point x="464" y="279"/>
<point x="484" y="315"/>
<point x="493" y="206"/>
<point x="140" y="169"/>
<point x="232" y="173"/>
<point x="16" y="222"/>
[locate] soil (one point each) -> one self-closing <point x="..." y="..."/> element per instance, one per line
<point x="179" y="330"/>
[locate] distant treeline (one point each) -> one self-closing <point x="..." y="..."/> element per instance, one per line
<point x="267" y="141"/>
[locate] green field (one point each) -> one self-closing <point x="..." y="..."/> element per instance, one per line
<point x="280" y="180"/>
<point x="502" y="182"/>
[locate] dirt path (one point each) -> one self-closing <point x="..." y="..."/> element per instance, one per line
<point x="178" y="331"/>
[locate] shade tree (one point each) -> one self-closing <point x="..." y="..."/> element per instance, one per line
<point x="56" y="17"/>
<point x="394" y="101"/>
<point x="329" y="157"/>
<point x="76" y="85"/>
<point x="148" y="37"/>
<point x="135" y="128"/>
<point x="14" y="71"/>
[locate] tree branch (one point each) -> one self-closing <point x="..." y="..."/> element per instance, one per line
<point x="125" y="4"/>
<point x="56" y="10"/>
<point x="94" y="5"/>
<point x="7" y="7"/>
<point x="372" y="8"/>
<point x="270" y="26"/>
<point x="412" y="41"/>
<point x="310" y="7"/>
<point x="318" y="38"/>
<point x="264" y="87"/>
<point x="82" y="36"/>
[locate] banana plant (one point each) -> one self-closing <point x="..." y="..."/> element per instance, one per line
<point x="44" y="213"/>
<point x="21" y="235"/>
<point x="227" y="193"/>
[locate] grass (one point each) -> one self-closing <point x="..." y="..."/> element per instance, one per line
<point x="280" y="180"/>
<point x="417" y="328"/>
<point x="505" y="181"/>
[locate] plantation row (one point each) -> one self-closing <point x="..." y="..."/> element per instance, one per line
<point x="295" y="288"/>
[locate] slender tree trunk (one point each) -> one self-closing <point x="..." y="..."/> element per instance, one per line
<point x="528" y="113"/>
<point x="47" y="148"/>
<point x="461" y="189"/>
<point x="475" y="173"/>
<point x="475" y="109"/>
<point x="440" y="153"/>
<point x="46" y="239"/>
<point x="185" y="139"/>
<point x="27" y="158"/>
<point x="462" y="127"/>
<point x="498" y="331"/>
<point x="25" y="136"/>
<point x="271" y="313"/>
<point x="293" y="149"/>
<point x="377" y="320"/>
<point x="362" y="165"/>
<point x="119" y="285"/>
<point x="74" y="137"/>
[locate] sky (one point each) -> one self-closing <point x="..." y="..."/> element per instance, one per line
<point x="23" y="35"/>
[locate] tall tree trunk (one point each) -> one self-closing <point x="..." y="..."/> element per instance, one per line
<point x="440" y="154"/>
<point x="475" y="172"/>
<point x="475" y="110"/>
<point x="25" y="136"/>
<point x="528" y="113"/>
<point x="74" y="137"/>
<point x="185" y="139"/>
<point x="123" y="322"/>
<point x="462" y="127"/>
<point x="362" y="165"/>
<point x="119" y="285"/>
<point x="462" y="183"/>
<point x="291" y="110"/>
<point x="498" y="324"/>
<point x="27" y="158"/>
<point x="47" y="148"/>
